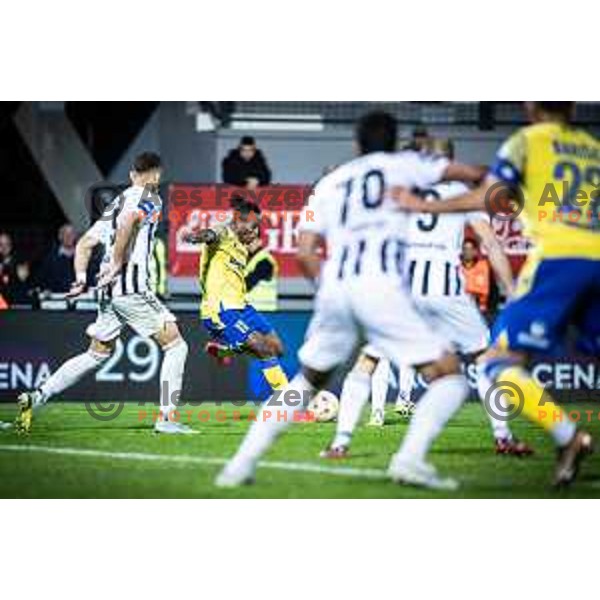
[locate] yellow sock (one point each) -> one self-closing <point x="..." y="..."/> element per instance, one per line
<point x="274" y="374"/>
<point x="535" y="403"/>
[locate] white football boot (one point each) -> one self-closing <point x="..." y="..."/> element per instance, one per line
<point x="377" y="418"/>
<point x="405" y="408"/>
<point x="237" y="472"/>
<point x="419" y="474"/>
<point x="173" y="428"/>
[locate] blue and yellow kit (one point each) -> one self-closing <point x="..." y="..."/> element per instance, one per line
<point x="558" y="170"/>
<point x="224" y="310"/>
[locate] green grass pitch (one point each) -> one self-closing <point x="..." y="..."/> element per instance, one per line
<point x="71" y="455"/>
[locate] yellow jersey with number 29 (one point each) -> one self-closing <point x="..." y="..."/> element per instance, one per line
<point x="557" y="167"/>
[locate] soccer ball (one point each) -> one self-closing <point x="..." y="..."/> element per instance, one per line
<point x="325" y="407"/>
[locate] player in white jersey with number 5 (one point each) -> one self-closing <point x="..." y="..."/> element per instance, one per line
<point x="362" y="294"/>
<point x="126" y="230"/>
<point x="434" y="277"/>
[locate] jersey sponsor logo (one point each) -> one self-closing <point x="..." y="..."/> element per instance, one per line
<point x="536" y="337"/>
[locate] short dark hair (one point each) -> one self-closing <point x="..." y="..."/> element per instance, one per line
<point x="244" y="207"/>
<point x="377" y="132"/>
<point x="420" y="131"/>
<point x="146" y="161"/>
<point x="563" y="109"/>
<point x="247" y="140"/>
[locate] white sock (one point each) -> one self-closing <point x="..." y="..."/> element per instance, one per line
<point x="380" y="383"/>
<point x="274" y="418"/>
<point x="171" y="377"/>
<point x="69" y="373"/>
<point x="406" y="383"/>
<point x="437" y="406"/>
<point x="500" y="428"/>
<point x="355" y="395"/>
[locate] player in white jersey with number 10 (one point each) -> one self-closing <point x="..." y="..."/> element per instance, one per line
<point x="126" y="230"/>
<point x="434" y="277"/>
<point x="362" y="295"/>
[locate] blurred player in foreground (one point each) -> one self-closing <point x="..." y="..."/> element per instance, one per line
<point x="126" y="229"/>
<point x="551" y="170"/>
<point x="433" y="261"/>
<point x="235" y="326"/>
<point x="361" y="291"/>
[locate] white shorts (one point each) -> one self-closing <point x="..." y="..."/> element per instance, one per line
<point x="456" y="319"/>
<point x="144" y="313"/>
<point x="381" y="313"/>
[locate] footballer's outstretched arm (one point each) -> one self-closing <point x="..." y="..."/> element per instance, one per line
<point x="474" y="174"/>
<point x="498" y="260"/>
<point x="471" y="201"/>
<point x="308" y="256"/>
<point x="83" y="254"/>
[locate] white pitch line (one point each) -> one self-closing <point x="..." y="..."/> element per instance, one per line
<point x="197" y="460"/>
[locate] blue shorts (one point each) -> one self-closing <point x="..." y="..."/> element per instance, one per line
<point x="236" y="326"/>
<point x="557" y="293"/>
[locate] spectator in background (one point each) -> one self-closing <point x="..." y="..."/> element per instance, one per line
<point x="21" y="290"/>
<point x="56" y="272"/>
<point x="421" y="140"/>
<point x="8" y="274"/>
<point x="477" y="275"/>
<point x="261" y="277"/>
<point x="246" y="166"/>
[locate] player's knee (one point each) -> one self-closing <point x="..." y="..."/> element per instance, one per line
<point x="168" y="336"/>
<point x="277" y="347"/>
<point x="365" y="365"/>
<point x="178" y="345"/>
<point x="101" y="351"/>
<point x="449" y="364"/>
<point x="265" y="346"/>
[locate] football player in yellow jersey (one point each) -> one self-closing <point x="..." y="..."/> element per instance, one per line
<point x="553" y="171"/>
<point x="234" y="325"/>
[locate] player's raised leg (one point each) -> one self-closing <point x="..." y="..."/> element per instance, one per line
<point x="507" y="370"/>
<point x="548" y="293"/>
<point x="265" y="344"/>
<point x="66" y="376"/>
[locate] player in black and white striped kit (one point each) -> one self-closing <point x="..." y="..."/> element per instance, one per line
<point x="361" y="294"/>
<point x="433" y="268"/>
<point x="126" y="230"/>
